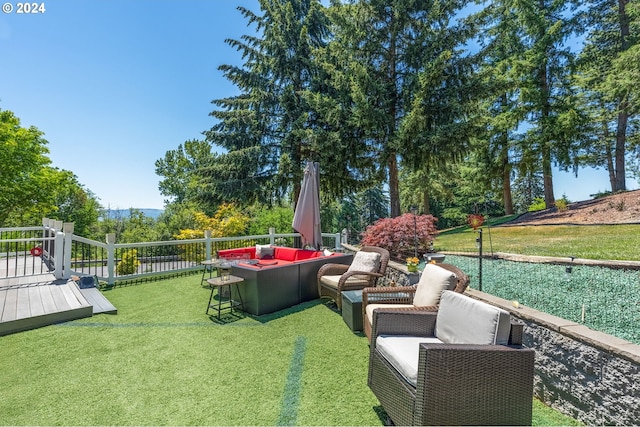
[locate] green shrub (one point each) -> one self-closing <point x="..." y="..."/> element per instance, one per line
<point x="129" y="263"/>
<point x="562" y="204"/>
<point x="452" y="217"/>
<point x="538" y="204"/>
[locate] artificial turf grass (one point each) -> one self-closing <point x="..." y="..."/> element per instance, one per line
<point x="162" y="361"/>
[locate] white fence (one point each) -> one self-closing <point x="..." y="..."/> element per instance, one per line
<point x="64" y="254"/>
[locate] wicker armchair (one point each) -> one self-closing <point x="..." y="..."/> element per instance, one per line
<point x="454" y="384"/>
<point x="335" y="278"/>
<point x="402" y="297"/>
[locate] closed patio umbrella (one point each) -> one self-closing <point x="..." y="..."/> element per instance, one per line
<point x="306" y="218"/>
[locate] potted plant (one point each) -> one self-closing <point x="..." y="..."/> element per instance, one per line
<point x="412" y="264"/>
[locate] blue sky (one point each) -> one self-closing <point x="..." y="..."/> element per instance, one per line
<point x="115" y="84"/>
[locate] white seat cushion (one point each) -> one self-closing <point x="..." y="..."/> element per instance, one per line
<point x="370" y="307"/>
<point x="464" y="320"/>
<point x="365" y="261"/>
<point x="433" y="281"/>
<point x="402" y="353"/>
<point x="332" y="281"/>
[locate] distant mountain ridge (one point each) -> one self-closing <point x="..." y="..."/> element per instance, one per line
<point x="125" y="213"/>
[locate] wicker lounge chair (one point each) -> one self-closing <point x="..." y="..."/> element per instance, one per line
<point x="401" y="297"/>
<point x="463" y="365"/>
<point x="369" y="264"/>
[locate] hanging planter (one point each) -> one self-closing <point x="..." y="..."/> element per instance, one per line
<point x="475" y="221"/>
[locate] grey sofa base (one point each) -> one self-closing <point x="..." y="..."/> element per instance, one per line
<point x="277" y="287"/>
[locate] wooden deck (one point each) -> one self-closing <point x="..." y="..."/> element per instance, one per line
<point x="29" y="302"/>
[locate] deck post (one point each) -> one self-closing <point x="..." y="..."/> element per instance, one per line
<point x="51" y="245"/>
<point x="46" y="243"/>
<point x="207" y="244"/>
<point x="67" y="230"/>
<point x="338" y="237"/>
<point x="272" y="237"/>
<point x="58" y="257"/>
<point x="111" y="240"/>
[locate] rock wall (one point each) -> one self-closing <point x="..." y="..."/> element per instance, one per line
<point x="591" y="376"/>
<point x="588" y="375"/>
<point x="397" y="275"/>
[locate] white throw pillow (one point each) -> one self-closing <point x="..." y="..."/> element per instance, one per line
<point x="433" y="282"/>
<point x="264" y="251"/>
<point x="365" y="261"/>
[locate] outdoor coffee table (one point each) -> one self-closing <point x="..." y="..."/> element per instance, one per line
<point x="229" y="303"/>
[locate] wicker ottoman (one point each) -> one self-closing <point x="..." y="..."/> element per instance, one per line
<point x="352" y="309"/>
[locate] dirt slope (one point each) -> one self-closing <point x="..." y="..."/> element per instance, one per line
<point x="622" y="208"/>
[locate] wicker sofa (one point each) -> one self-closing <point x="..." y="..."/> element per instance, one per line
<point x="278" y="281"/>
<point x="461" y="365"/>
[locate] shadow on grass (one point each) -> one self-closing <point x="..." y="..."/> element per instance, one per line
<point x="382" y="415"/>
<point x="228" y="317"/>
<point x="265" y="318"/>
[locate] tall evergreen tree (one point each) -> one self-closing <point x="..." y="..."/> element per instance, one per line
<point x="265" y="130"/>
<point x="400" y="51"/>
<point x="607" y="63"/>
<point x="502" y="44"/>
<point x="546" y="93"/>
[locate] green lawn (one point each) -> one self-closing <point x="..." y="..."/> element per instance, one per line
<point x="603" y="242"/>
<point x="162" y="361"/>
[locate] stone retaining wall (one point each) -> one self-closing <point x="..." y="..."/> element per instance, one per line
<point x="589" y="375"/>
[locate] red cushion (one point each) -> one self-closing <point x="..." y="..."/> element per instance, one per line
<point x="281" y="252"/>
<point x="229" y="253"/>
<point x="286" y="254"/>
<point x="305" y="254"/>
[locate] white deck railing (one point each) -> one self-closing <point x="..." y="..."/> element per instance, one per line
<point x="65" y="254"/>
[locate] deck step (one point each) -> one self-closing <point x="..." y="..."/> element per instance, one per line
<point x="36" y="301"/>
<point x="98" y="301"/>
<point x="25" y="306"/>
<point x="88" y="287"/>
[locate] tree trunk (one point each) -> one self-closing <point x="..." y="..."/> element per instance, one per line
<point x="394" y="187"/>
<point x="392" y="163"/>
<point x="506" y="188"/>
<point x="547" y="176"/>
<point x="623" y="116"/>
<point x="609" y="155"/>
<point x="621" y="139"/>
<point x="545" y="135"/>
<point x="426" y="210"/>
<point x="507" y="200"/>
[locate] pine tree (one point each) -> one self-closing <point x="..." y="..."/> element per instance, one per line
<point x="265" y="130"/>
<point x="610" y="83"/>
<point x="496" y="148"/>
<point x="404" y="80"/>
